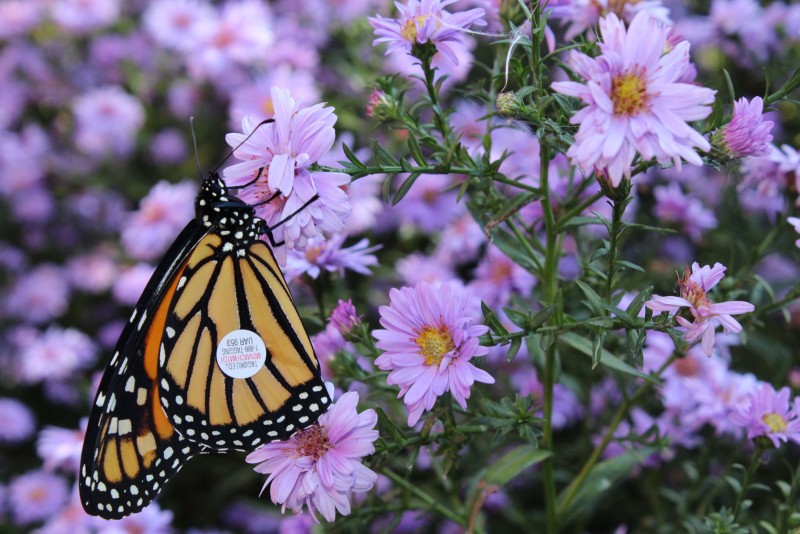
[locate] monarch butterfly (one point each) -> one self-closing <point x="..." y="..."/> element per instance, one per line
<point x="214" y="358"/>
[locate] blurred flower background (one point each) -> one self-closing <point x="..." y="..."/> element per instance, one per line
<point x="98" y="176"/>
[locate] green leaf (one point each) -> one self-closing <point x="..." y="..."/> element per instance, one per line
<point x="490" y="319"/>
<point x="405" y="187"/>
<point x="729" y="82"/>
<point x="584" y="346"/>
<point x="597" y="348"/>
<point x="518" y="318"/>
<point x="513" y="349"/>
<point x="352" y="157"/>
<point x="415" y="150"/>
<point x="513" y="463"/>
<point x="539" y="318"/>
<point x="602" y="478"/>
<point x="636" y="304"/>
<point x="580" y="221"/>
<point x="630" y="265"/>
<point x="383" y="157"/>
<point x="717" y="114"/>
<point x="596" y="303"/>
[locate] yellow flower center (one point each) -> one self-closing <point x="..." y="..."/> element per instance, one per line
<point x="629" y="93"/>
<point x="434" y="343"/>
<point x="410" y="27"/>
<point x="775" y="422"/>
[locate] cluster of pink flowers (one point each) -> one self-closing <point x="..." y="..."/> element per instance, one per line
<point x="640" y="98"/>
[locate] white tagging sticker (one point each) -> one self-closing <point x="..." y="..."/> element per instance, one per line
<point x="241" y="354"/>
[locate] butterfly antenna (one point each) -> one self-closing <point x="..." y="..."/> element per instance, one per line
<point x="194" y="140"/>
<point x="259" y="125"/>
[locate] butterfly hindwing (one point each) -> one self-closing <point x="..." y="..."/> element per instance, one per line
<point x="131" y="449"/>
<point x="233" y="285"/>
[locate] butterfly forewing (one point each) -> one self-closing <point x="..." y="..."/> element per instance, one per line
<point x="232" y="292"/>
<point x="130" y="449"/>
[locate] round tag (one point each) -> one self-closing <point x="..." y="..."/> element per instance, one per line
<point x="241" y="354"/>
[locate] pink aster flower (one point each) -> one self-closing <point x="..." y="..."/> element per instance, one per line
<point x="278" y="156"/>
<point x="36" y="495"/>
<point x="320" y="467"/>
<point x="330" y="256"/>
<point x="497" y="278"/>
<point x="769" y="413"/>
<point x="254" y="100"/>
<point x="675" y="206"/>
<point x="54" y="354"/>
<point x="239" y="34"/>
<point x="20" y="16"/>
<point x="83" y="16"/>
<point x="583" y="14"/>
<point x="428" y="340"/>
<point x="161" y="216"/>
<point x="426" y="21"/>
<point x="61" y="447"/>
<point x="747" y="134"/>
<point x="39" y="296"/>
<point x="131" y="282"/>
<point x="693" y="288"/>
<point x="107" y="120"/>
<point x="174" y="23"/>
<point x="639" y="100"/>
<point x="418" y="267"/>
<point x="344" y="316"/>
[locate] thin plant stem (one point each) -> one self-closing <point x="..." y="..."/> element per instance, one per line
<point x="550" y="275"/>
<point x="622" y="411"/>
<point x="748" y="475"/>
<point x="425" y="497"/>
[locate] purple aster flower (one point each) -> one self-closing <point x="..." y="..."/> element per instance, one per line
<point x="769" y="413"/>
<point x="418" y="267"/>
<point x="429" y="205"/>
<point x="330" y="256"/>
<point x="55" y="354"/>
<point x="795" y="222"/>
<point x="320" y="467"/>
<point x="174" y="23"/>
<point x="131" y="282"/>
<point x="278" y="156"/>
<point x="497" y="278"/>
<point x="17" y="422"/>
<point x="151" y="520"/>
<point x="94" y="272"/>
<point x="21" y="159"/>
<point x="460" y="241"/>
<point x="83" y="16"/>
<point x="161" y="216"/>
<point x="39" y="296"/>
<point x="19" y="17"/>
<point x="240" y="33"/>
<point x="60" y="448"/>
<point x="426" y="21"/>
<point x="344" y="316"/>
<point x="693" y="288"/>
<point x="583" y="14"/>
<point x="36" y="495"/>
<point x="74" y="519"/>
<point x="327" y="343"/>
<point x="674" y="206"/>
<point x="747" y="134"/>
<point x="638" y="100"/>
<point x="716" y="398"/>
<point x="107" y="120"/>
<point x="430" y="335"/>
<point x="254" y="100"/>
<point x="168" y="147"/>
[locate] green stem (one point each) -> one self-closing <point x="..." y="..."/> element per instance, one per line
<point x="550" y="289"/>
<point x="622" y="411"/>
<point x="361" y="172"/>
<point x="616" y="220"/>
<point x="748" y="475"/>
<point x="430" y="85"/>
<point x="429" y="500"/>
<point x="789" y="503"/>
